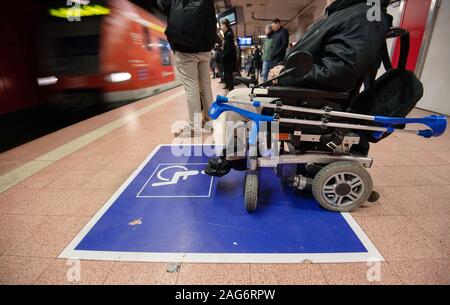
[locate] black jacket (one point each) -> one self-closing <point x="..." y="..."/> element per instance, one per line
<point x="344" y="45"/>
<point x="229" y="55"/>
<point x="280" y="43"/>
<point x="190" y="28"/>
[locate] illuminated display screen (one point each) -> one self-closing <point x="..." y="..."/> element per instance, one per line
<point x="79" y="11"/>
<point x="245" y="41"/>
<point x="230" y="15"/>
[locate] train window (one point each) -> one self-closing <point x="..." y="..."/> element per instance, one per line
<point x="77" y="45"/>
<point x="147" y="41"/>
<point x="165" y="53"/>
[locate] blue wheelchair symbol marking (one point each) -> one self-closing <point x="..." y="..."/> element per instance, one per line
<point x="177" y="180"/>
<point x="144" y="221"/>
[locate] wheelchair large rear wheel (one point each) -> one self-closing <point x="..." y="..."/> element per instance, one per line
<point x="251" y="191"/>
<point x="342" y="186"/>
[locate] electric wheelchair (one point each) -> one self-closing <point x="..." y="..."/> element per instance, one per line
<point x="325" y="134"/>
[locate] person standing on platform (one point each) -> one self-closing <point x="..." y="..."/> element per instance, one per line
<point x="191" y="32"/>
<point x="257" y="60"/>
<point x="229" y="57"/>
<point x="267" y="52"/>
<point x="280" y="42"/>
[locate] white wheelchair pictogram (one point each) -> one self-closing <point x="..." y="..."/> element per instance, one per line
<point x="184" y="174"/>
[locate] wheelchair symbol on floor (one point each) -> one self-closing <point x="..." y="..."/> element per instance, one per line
<point x="171" y="180"/>
<point x="184" y="174"/>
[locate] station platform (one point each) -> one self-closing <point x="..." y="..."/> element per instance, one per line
<point x="57" y="192"/>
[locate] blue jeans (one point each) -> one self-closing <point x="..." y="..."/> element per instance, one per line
<point x="267" y="65"/>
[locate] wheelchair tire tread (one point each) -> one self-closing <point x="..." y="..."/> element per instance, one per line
<point x="251" y="192"/>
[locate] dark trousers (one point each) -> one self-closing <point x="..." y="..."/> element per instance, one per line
<point x="229" y="80"/>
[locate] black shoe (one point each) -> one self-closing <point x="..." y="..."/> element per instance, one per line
<point x="217" y="167"/>
<point x="238" y="164"/>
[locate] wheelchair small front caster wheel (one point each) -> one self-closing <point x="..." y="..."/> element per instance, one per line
<point x="342" y="186"/>
<point x="251" y="191"/>
<point x="374" y="197"/>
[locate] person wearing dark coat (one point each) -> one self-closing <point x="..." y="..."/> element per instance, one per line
<point x="229" y="56"/>
<point x="280" y="42"/>
<point x="345" y="45"/>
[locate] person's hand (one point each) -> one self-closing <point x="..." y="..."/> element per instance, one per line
<point x="275" y="72"/>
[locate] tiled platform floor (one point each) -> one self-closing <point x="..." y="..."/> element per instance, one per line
<point x="410" y="225"/>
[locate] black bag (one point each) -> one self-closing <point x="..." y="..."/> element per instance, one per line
<point x="395" y="93"/>
<point x="186" y="23"/>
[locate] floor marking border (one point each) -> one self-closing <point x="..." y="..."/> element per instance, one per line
<point x="372" y="254"/>
<point x="30" y="168"/>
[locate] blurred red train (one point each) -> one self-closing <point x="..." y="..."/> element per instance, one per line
<point x="112" y="49"/>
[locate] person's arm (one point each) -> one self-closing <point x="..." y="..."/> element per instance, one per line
<point x="347" y="55"/>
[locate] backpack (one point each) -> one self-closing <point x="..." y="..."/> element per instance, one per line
<point x="186" y="22"/>
<point x="395" y="93"/>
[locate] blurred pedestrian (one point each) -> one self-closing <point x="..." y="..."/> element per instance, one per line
<point x="191" y="32"/>
<point x="229" y="56"/>
<point x="280" y="42"/>
<point x="267" y="53"/>
<point x="257" y="61"/>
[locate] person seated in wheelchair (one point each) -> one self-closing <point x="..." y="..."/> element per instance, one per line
<point x="344" y="45"/>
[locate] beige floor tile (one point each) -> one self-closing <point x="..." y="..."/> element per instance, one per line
<point x="41" y="179"/>
<point x="436" y="227"/>
<point x="73" y="179"/>
<point x="423" y="272"/>
<point x="82" y="202"/>
<point x="419" y="200"/>
<point x="140" y="274"/>
<point x="418" y="175"/>
<point x="443" y="155"/>
<point x="75" y="272"/>
<point x="383" y="207"/>
<point x="442" y="171"/>
<point x="286" y="274"/>
<point x="397" y="238"/>
<point x="421" y="158"/>
<point x="372" y="273"/>
<point x="14" y="228"/>
<point x="50" y="237"/>
<point x="41" y="202"/>
<point x="107" y="179"/>
<point x="214" y="274"/>
<point x="12" y="198"/>
<point x="20" y="269"/>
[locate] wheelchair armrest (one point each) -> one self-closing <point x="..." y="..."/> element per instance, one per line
<point x="294" y="92"/>
<point x="246" y="81"/>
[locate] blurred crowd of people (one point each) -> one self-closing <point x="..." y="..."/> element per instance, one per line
<point x="226" y="60"/>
